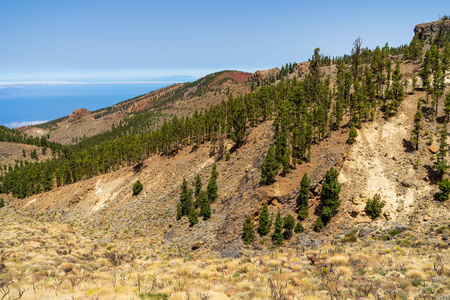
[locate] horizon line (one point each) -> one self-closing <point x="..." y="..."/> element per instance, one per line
<point x="59" y="82"/>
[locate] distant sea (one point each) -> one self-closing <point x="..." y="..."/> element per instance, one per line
<point x="23" y="104"/>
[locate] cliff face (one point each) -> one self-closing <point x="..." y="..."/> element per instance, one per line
<point x="429" y="31"/>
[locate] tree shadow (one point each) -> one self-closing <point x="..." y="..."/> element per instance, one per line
<point x="194" y="148"/>
<point x="436" y="197"/>
<point x="408" y="146"/>
<point x="433" y="175"/>
<point x="235" y="147"/>
<point x="441" y="119"/>
<point x="427" y="111"/>
<point x="138" y="167"/>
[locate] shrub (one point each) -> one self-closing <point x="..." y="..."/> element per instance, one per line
<point x="137" y="187"/>
<point x="2" y="203"/>
<point x="227" y="156"/>
<point x="374" y="206"/>
<point x="416" y="281"/>
<point x="350" y="237"/>
<point x="157" y="296"/>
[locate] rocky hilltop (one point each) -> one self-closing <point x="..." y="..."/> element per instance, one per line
<point x="78" y="114"/>
<point x="428" y="31"/>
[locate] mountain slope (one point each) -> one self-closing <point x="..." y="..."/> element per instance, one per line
<point x="213" y="87"/>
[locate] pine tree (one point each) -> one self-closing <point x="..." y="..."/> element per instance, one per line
<point x="415" y="134"/>
<point x="299" y="227"/>
<point x="330" y="194"/>
<point x="318" y="225"/>
<point x="212" y="185"/>
<point x="185" y="199"/>
<point x="179" y="210"/>
<point x="282" y="151"/>
<point x="269" y="167"/>
<point x="447" y="107"/>
<point x="248" y="236"/>
<point x="288" y="224"/>
<point x="204" y="204"/>
<point x="426" y="72"/>
<point x="264" y="225"/>
<point x="303" y="198"/>
<point x="356" y="57"/>
<point x="397" y="92"/>
<point x="193" y="217"/>
<point x="23" y="152"/>
<point x="277" y="236"/>
<point x="238" y="121"/>
<point x="414" y="84"/>
<point x="441" y="164"/>
<point x="197" y="185"/>
<point x="352" y="134"/>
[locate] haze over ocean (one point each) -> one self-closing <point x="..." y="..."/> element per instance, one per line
<point x="24" y="104"/>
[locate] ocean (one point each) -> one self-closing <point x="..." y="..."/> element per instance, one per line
<point x="24" y="104"/>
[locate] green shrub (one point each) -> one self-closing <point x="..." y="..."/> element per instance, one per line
<point x="227" y="156"/>
<point x="157" y="296"/>
<point x="137" y="187"/>
<point x="2" y="203"/>
<point x="374" y="206"/>
<point x="350" y="237"/>
<point x="444" y="186"/>
<point x="394" y="232"/>
<point x="416" y="281"/>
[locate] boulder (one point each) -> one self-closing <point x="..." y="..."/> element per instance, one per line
<point x="433" y="149"/>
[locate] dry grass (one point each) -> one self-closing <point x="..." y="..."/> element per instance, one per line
<point x="46" y="260"/>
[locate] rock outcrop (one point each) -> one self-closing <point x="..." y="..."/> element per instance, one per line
<point x="429" y="31"/>
<point x="264" y="74"/>
<point x="78" y="114"/>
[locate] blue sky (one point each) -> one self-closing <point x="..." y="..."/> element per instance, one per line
<point x="148" y="40"/>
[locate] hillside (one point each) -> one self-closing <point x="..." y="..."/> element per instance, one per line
<point x="263" y="132"/>
<point x="179" y="99"/>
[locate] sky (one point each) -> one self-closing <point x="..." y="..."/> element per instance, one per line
<point x="136" y="40"/>
<point x="60" y="42"/>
